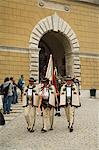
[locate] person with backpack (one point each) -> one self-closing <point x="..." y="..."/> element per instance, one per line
<point x="5" y="89"/>
<point x="10" y="92"/>
<point x="15" y="94"/>
<point x="21" y="85"/>
<point x="8" y="95"/>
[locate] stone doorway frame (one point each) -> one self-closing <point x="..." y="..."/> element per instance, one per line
<point x="53" y="23"/>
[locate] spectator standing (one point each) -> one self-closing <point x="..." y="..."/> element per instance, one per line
<point x="5" y="88"/>
<point x="15" y="95"/>
<point x="21" y="85"/>
<point x="10" y="92"/>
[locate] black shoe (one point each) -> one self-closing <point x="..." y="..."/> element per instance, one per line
<point x="10" y="109"/>
<point x="8" y="112"/>
<point x="68" y="125"/>
<point x="31" y="130"/>
<point x="51" y="129"/>
<point x="59" y="114"/>
<point x="43" y="130"/>
<point x="41" y="113"/>
<point x="28" y="129"/>
<point x="56" y="114"/>
<point x="4" y="112"/>
<point x="71" y="129"/>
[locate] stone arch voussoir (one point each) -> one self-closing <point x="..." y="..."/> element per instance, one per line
<point x="56" y="23"/>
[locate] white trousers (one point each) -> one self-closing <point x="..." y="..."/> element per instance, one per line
<point x="30" y="116"/>
<point x="69" y="111"/>
<point x="48" y="117"/>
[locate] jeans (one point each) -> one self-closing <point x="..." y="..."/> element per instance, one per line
<point x="5" y="104"/>
<point x="10" y="99"/>
<point x="15" y="97"/>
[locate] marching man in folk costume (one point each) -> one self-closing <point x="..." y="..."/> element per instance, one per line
<point x="47" y="98"/>
<point x="69" y="99"/>
<point x="32" y="101"/>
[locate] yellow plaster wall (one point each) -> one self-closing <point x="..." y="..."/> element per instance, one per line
<point x="90" y="73"/>
<point x="14" y="64"/>
<point x="18" y="18"/>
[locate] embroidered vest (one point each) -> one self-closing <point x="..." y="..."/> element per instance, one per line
<point x="30" y="97"/>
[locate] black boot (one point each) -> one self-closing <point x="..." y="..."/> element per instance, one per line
<point x="59" y="114"/>
<point x="41" y="113"/>
<point x="56" y="114"/>
<point x="28" y="129"/>
<point x="71" y="129"/>
<point x="51" y="129"/>
<point x="68" y="125"/>
<point x="43" y="130"/>
<point x="31" y="130"/>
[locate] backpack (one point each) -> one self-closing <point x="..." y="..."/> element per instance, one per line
<point x="2" y="120"/>
<point x="20" y="84"/>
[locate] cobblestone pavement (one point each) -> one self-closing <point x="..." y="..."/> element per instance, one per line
<point x="14" y="135"/>
<point x="16" y="110"/>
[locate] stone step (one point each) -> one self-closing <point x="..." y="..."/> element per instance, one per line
<point x="16" y="110"/>
<point x="9" y="118"/>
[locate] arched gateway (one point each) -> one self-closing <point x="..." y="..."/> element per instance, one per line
<point x="53" y="35"/>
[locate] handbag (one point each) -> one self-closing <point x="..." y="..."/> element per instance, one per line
<point x="2" y="120"/>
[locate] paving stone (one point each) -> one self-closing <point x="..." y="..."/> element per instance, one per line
<point x="16" y="110"/>
<point x="14" y="135"/>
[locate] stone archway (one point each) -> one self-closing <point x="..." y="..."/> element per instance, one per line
<point x="56" y="24"/>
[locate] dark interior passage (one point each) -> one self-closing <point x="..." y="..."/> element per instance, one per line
<point x="52" y="43"/>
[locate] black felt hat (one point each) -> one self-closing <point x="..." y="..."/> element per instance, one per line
<point x="31" y="79"/>
<point x="45" y="80"/>
<point x="68" y="78"/>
